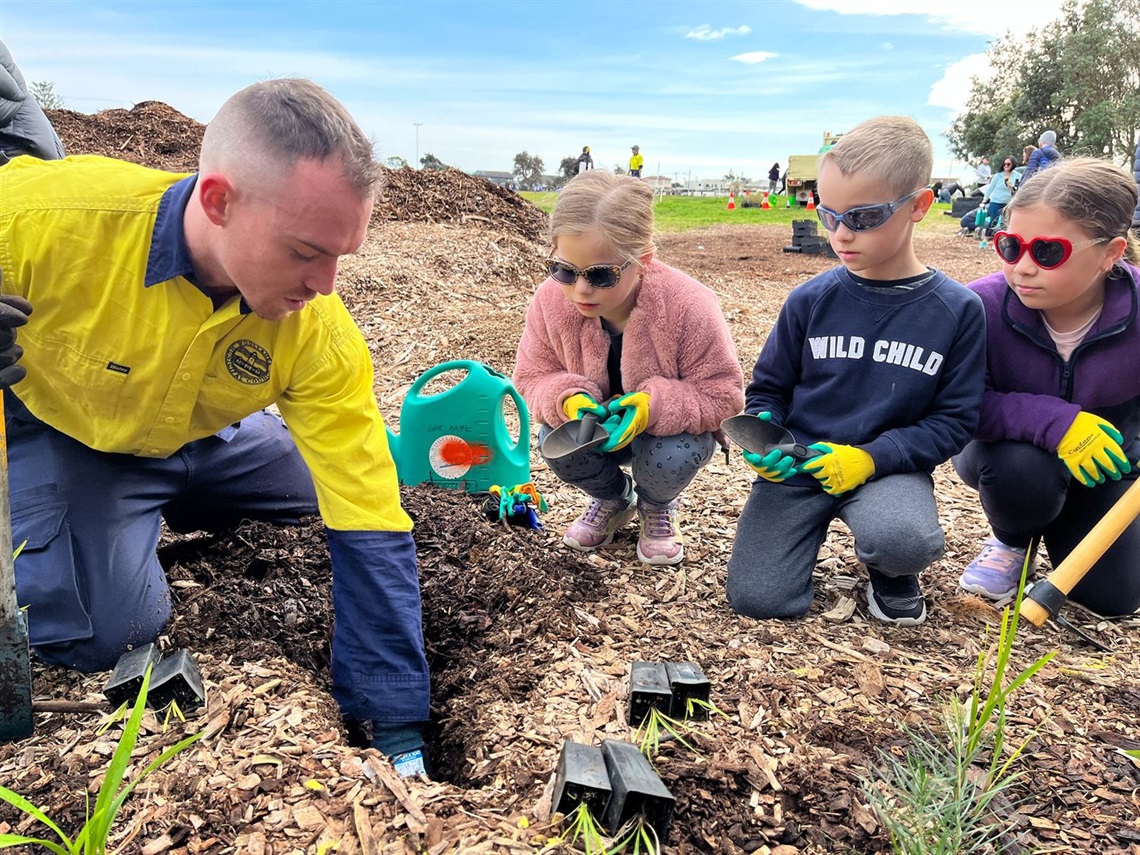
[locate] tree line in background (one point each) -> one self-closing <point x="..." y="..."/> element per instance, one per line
<point x="1078" y="75"/>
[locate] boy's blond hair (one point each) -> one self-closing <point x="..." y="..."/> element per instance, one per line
<point x="892" y="150"/>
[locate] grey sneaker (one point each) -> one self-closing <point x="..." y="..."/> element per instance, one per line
<point x="600" y="522"/>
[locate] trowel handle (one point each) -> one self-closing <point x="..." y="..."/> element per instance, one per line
<point x="797" y="450"/>
<point x="586" y="428"/>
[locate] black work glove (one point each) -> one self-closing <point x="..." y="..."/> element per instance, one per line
<point x="14" y="313"/>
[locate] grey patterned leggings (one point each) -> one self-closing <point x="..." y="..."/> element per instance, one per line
<point x="662" y="466"/>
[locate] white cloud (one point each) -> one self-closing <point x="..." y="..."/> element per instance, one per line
<point x="705" y="33"/>
<point x="753" y="57"/>
<point x="970" y="16"/>
<point x="952" y="90"/>
<point x="887" y="46"/>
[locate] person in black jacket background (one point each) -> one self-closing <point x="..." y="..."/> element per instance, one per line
<point x="24" y="128"/>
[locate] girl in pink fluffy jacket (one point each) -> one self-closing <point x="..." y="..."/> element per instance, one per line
<point x="613" y="324"/>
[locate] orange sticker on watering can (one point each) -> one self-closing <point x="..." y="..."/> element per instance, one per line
<point x="452" y="457"/>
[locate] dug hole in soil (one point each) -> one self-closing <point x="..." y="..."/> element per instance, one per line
<point x="530" y="643"/>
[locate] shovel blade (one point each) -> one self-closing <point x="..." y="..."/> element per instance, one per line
<point x="15" y="681"/>
<point x="755" y="435"/>
<point x="572" y="437"/>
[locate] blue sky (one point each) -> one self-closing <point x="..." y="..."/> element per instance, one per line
<point x="703" y="88"/>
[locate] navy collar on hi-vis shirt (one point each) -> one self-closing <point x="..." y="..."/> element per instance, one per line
<point x="169" y="256"/>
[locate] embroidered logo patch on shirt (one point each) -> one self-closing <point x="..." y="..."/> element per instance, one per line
<point x="248" y="362"/>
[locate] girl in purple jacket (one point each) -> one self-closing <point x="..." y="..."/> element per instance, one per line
<point x="1058" y="436"/>
<point x="614" y="332"/>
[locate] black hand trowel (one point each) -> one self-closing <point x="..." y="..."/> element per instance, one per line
<point x="573" y="436"/>
<point x="760" y="437"/>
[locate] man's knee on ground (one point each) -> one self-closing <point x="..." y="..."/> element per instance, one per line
<point x="111" y="640"/>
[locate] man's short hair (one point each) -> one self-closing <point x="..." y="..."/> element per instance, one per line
<point x="271" y="125"/>
<point x="893" y="150"/>
<point x="1048" y="138"/>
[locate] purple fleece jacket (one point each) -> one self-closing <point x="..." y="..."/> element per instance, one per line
<point x="1032" y="395"/>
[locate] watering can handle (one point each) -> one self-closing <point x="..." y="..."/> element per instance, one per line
<point x="468" y="365"/>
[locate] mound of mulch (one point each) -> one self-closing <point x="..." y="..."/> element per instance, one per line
<point x="154" y="134"/>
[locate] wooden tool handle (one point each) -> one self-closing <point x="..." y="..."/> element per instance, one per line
<point x="1086" y="553"/>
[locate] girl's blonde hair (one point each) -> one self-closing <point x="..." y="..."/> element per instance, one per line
<point x="620" y="207"/>
<point x="1092" y="193"/>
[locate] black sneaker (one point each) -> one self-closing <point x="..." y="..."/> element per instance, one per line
<point x="895" y="599"/>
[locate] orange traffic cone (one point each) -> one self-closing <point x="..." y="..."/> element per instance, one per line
<point x="731" y="201"/>
<point x="811" y="200"/>
<point x="765" y="204"/>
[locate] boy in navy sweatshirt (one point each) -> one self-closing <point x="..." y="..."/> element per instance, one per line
<point x="879" y="365"/>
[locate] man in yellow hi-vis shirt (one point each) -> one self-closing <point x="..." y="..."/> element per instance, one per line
<point x="636" y="161"/>
<point x="167" y="312"/>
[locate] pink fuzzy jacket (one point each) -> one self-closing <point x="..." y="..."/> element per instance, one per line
<point x="675" y="346"/>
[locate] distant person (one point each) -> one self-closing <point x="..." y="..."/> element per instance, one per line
<point x="984" y="172"/>
<point x="998" y="193"/>
<point x="614" y="332"/>
<point x="877" y="364"/>
<point x="1045" y="156"/>
<point x="1058" y="440"/>
<point x="1026" y="153"/>
<point x="585" y="161"/>
<point x="773" y="177"/>
<point x="170" y="312"/>
<point x="24" y="128"/>
<point x="636" y="161"/>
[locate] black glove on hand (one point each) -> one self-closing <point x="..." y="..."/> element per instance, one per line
<point x="14" y="313"/>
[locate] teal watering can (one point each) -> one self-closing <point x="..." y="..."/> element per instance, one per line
<point x="459" y="437"/>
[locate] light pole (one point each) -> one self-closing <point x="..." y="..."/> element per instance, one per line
<point x="417" y="124"/>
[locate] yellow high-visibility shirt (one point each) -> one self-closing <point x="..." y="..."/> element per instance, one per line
<point x="131" y="369"/>
<point x="635" y="162"/>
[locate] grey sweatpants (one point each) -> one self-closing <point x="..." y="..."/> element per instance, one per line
<point x="662" y="466"/>
<point x="894" y="520"/>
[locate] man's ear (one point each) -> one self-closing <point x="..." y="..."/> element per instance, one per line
<point x="216" y="195"/>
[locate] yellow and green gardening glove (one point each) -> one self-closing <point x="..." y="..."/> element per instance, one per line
<point x="1091" y="449"/>
<point x="775" y="466"/>
<point x="840" y="468"/>
<point x="628" y="416"/>
<point x="579" y="404"/>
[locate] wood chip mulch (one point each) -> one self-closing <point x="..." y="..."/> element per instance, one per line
<point x="530" y="643"/>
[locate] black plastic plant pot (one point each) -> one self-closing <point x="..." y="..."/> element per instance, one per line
<point x="648" y="688"/>
<point x="176" y="679"/>
<point x="636" y="790"/>
<point x="688" y="683"/>
<point x="581" y="779"/>
<point x="126" y="679"/>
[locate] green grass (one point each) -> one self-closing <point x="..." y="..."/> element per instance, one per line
<point x="681" y="213"/>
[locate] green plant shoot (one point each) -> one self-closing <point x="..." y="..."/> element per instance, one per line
<point x="92" y="837"/>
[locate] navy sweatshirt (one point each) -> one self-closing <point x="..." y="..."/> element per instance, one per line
<point x="899" y="373"/>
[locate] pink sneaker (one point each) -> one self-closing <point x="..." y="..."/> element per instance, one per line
<point x="660" y="541"/>
<point x="996" y="572"/>
<point x="598" y="524"/>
